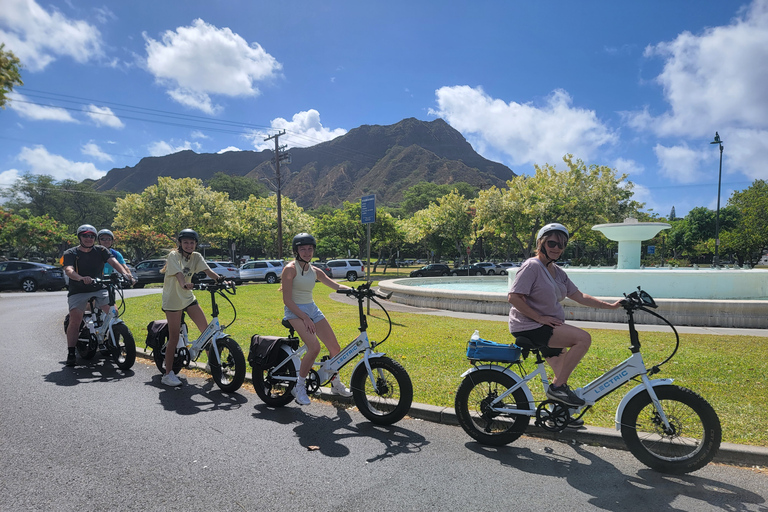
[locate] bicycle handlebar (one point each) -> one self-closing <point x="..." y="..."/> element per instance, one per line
<point x="363" y="291"/>
<point x="226" y="285"/>
<point x="638" y="300"/>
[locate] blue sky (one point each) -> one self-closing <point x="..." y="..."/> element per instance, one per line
<point x="637" y="86"/>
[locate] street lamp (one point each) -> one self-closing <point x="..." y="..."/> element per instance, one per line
<point x="717" y="214"/>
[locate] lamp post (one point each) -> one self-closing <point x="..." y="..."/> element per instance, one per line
<point x="717" y="213"/>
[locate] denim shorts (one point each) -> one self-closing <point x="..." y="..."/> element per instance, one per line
<point x="310" y="309"/>
<point x="80" y="300"/>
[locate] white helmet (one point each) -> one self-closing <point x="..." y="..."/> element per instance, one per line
<point x="86" y="228"/>
<point x="553" y="227"/>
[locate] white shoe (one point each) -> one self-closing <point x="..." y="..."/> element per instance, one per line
<point x="171" y="380"/>
<point x="338" y="387"/>
<point x="299" y="392"/>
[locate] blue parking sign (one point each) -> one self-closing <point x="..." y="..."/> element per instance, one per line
<point x="368" y="209"/>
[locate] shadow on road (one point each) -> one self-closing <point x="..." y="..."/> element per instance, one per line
<point x="325" y="434"/>
<point x="193" y="398"/>
<point x="609" y="486"/>
<point x="94" y="370"/>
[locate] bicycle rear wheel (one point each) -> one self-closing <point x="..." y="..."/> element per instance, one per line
<point x="270" y="385"/>
<point x="229" y="376"/>
<point x="159" y="356"/>
<point x="391" y="399"/>
<point x="691" y="443"/>
<point x="123" y="347"/>
<point x="473" y="400"/>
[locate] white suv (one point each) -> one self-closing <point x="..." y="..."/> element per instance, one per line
<point x="351" y="269"/>
<point x="269" y="271"/>
<point x="223" y="268"/>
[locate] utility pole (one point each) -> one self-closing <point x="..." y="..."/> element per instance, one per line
<point x="280" y="155"/>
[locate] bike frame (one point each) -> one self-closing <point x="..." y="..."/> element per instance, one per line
<point x="98" y="326"/>
<point x="209" y="337"/>
<point x="633" y="366"/>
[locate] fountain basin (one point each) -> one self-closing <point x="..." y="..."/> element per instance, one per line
<point x="488" y="295"/>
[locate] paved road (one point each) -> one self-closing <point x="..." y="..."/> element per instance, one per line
<point x="96" y="438"/>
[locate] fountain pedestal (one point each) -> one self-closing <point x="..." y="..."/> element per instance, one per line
<point x="630" y="234"/>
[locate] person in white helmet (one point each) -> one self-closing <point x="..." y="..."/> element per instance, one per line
<point x="82" y="264"/>
<point x="537" y="319"/>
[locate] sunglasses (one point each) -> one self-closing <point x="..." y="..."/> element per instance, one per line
<point x="104" y="238"/>
<point x="552" y="244"/>
<point x="88" y="235"/>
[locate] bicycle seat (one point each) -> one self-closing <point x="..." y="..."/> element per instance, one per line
<point x="287" y="324"/>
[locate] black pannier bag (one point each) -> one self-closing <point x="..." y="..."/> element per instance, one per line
<point x="157" y="333"/>
<point x="265" y="350"/>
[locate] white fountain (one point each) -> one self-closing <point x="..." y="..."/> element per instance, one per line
<point x="630" y="234"/>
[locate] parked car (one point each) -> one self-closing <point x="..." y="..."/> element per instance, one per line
<point x="468" y="270"/>
<point x="509" y="264"/>
<point x="256" y="270"/>
<point x="29" y="276"/>
<point x="492" y="268"/>
<point x="223" y="268"/>
<point x="323" y="266"/>
<point x="148" y="271"/>
<point x="433" y="269"/>
<point x="349" y="269"/>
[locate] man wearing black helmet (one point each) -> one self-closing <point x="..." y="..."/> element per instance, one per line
<point x="299" y="278"/>
<point x="181" y="265"/>
<point x="82" y="264"/>
<point x="536" y="317"/>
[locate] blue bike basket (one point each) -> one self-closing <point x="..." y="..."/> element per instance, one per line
<point x="484" y="350"/>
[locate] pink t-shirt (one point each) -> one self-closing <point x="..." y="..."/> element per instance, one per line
<point x="542" y="294"/>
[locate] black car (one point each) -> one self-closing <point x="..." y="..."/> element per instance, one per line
<point x="148" y="271"/>
<point x="321" y="265"/>
<point x="468" y="270"/>
<point x="433" y="269"/>
<point x="29" y="276"/>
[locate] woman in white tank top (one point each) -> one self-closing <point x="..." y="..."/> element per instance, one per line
<point x="298" y="281"/>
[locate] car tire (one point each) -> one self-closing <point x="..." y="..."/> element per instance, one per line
<point x="28" y="284"/>
<point x="491" y="272"/>
<point x="271" y="278"/>
<point x="445" y="273"/>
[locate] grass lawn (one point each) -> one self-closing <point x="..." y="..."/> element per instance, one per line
<point x="729" y="371"/>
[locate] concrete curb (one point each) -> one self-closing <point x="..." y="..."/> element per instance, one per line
<point x="729" y="453"/>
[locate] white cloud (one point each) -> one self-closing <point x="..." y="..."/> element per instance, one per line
<point x="103" y="116"/>
<point x="40" y="161"/>
<point x="681" y="164"/>
<point x="93" y="149"/>
<point x="523" y="133"/>
<point x="20" y="104"/>
<point x="303" y="130"/>
<point x="162" y="148"/>
<point x="197" y="134"/>
<point x="229" y="148"/>
<point x="38" y="37"/>
<point x="201" y="59"/>
<point x="630" y="167"/>
<point x="9" y="177"/>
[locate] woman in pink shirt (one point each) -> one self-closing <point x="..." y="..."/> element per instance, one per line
<point x="536" y="317"/>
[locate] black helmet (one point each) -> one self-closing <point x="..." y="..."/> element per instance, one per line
<point x="303" y="239"/>
<point x="188" y="233"/>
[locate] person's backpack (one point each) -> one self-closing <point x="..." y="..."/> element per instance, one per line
<point x="265" y="350"/>
<point x="157" y="334"/>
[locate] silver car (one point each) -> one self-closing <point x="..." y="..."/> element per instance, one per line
<point x="257" y="270"/>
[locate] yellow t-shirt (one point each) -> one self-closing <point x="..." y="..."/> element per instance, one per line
<point x="176" y="298"/>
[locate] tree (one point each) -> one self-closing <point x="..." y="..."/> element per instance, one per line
<point x="239" y="188"/>
<point x="341" y="233"/>
<point x="444" y="227"/>
<point x="68" y="201"/>
<point x="749" y="236"/>
<point x="173" y="205"/>
<point x="140" y="244"/>
<point x="25" y="234"/>
<point x="422" y="194"/>
<point x="10" y="75"/>
<point x="258" y="224"/>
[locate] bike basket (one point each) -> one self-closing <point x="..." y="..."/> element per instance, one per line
<point x="484" y="350"/>
<point x="157" y="333"/>
<point x="265" y="350"/>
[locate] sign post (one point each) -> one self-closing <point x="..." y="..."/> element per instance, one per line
<point x="368" y="217"/>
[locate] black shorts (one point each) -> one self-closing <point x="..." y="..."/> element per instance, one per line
<point x="194" y="302"/>
<point x="537" y="339"/>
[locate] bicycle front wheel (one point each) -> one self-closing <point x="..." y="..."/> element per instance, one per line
<point x="473" y="408"/>
<point x="123" y="346"/>
<point x="230" y="374"/>
<point x="692" y="440"/>
<point x="392" y="396"/>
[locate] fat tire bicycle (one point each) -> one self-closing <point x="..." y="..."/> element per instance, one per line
<point x="225" y="356"/>
<point x="106" y="332"/>
<point x="381" y="388"/>
<point x="667" y="427"/>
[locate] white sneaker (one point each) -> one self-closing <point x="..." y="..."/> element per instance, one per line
<point x="299" y="392"/>
<point x="171" y="380"/>
<point x="338" y="387"/>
